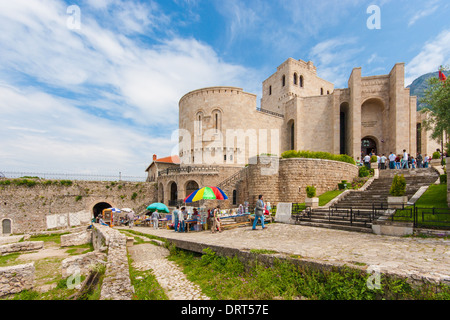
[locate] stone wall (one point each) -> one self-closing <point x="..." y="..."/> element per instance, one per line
<point x="15" y="279"/>
<point x="82" y="264"/>
<point x="21" y="247"/>
<point x="288" y="182"/>
<point x="50" y="205"/>
<point x="116" y="283"/>
<point x="76" y="239"/>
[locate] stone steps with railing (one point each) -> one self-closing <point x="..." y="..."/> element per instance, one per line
<point x="356" y="208"/>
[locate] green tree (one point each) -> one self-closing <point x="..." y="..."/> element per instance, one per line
<point x="437" y="99"/>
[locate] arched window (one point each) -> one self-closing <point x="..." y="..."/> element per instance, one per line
<point x="301" y="81"/>
<point x="321" y="91"/>
<point x="199" y="119"/>
<point x="283" y="80"/>
<point x="217" y="120"/>
<point x="295" y="79"/>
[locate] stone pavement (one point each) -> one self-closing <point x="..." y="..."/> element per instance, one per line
<point x="417" y="258"/>
<point x="170" y="277"/>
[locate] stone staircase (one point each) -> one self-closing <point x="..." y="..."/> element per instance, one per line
<point x="378" y="191"/>
<point x="354" y="211"/>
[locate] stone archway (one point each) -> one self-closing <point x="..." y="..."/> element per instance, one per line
<point x="191" y="186"/>
<point x="369" y="145"/>
<point x="173" y="195"/>
<point x="373" y="125"/>
<point x="99" y="207"/>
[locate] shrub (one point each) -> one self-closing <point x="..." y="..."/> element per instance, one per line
<point x="134" y="196"/>
<point x="5" y="182"/>
<point x="318" y="155"/>
<point x="398" y="187"/>
<point x="24" y="182"/>
<point x="374" y="159"/>
<point x="343" y="185"/>
<point x="67" y="183"/>
<point x="78" y="198"/>
<point x="443" y="178"/>
<point x="436" y="155"/>
<point x="363" y="172"/>
<point x="310" y="191"/>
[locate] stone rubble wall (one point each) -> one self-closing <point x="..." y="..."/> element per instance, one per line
<point x="82" y="264"/>
<point x="76" y="239"/>
<point x="47" y="206"/>
<point x="116" y="283"/>
<point x="21" y="247"/>
<point x="15" y="279"/>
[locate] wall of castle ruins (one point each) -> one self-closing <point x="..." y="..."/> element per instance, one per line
<point x="43" y="207"/>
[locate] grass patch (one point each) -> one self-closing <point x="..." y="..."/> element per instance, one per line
<point x="434" y="197"/>
<point x="262" y="251"/>
<point x="9" y="259"/>
<point x="224" y="278"/>
<point x="54" y="237"/>
<point x="328" y="196"/>
<point x="323" y="200"/>
<point x="80" y="249"/>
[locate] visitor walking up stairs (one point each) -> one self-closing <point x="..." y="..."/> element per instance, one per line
<point x="354" y="211"/>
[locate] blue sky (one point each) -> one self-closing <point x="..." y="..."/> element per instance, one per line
<point x="103" y="98"/>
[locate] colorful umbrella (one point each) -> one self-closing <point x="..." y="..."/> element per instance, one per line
<point x="161" y="207"/>
<point x="207" y="193"/>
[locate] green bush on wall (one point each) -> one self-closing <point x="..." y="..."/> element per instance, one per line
<point x="398" y="187"/>
<point x="436" y="155"/>
<point x="318" y="155"/>
<point x="443" y="178"/>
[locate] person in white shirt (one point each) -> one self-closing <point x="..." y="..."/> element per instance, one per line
<point x="367" y="161"/>
<point x="425" y="161"/>
<point x="383" y="162"/>
<point x="181" y="218"/>
<point x="405" y="160"/>
<point x="392" y="161"/>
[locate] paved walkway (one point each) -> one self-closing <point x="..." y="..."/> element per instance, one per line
<point x="413" y="257"/>
<point x="170" y="277"/>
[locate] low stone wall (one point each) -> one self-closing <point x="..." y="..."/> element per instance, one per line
<point x="82" y="264"/>
<point x="21" y="247"/>
<point x="15" y="279"/>
<point x="76" y="239"/>
<point x="285" y="180"/>
<point x="116" y="283"/>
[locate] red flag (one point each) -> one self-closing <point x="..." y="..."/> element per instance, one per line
<point x="442" y="76"/>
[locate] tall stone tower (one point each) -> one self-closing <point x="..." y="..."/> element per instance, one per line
<point x="294" y="78"/>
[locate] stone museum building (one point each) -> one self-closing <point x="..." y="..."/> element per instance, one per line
<point x="222" y="129"/>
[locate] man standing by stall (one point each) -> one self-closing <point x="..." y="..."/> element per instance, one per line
<point x="130" y="216"/>
<point x="259" y="212"/>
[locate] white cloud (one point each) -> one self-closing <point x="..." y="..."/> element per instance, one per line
<point x="435" y="53"/>
<point x="430" y="9"/>
<point x="117" y="87"/>
<point x="326" y="54"/>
